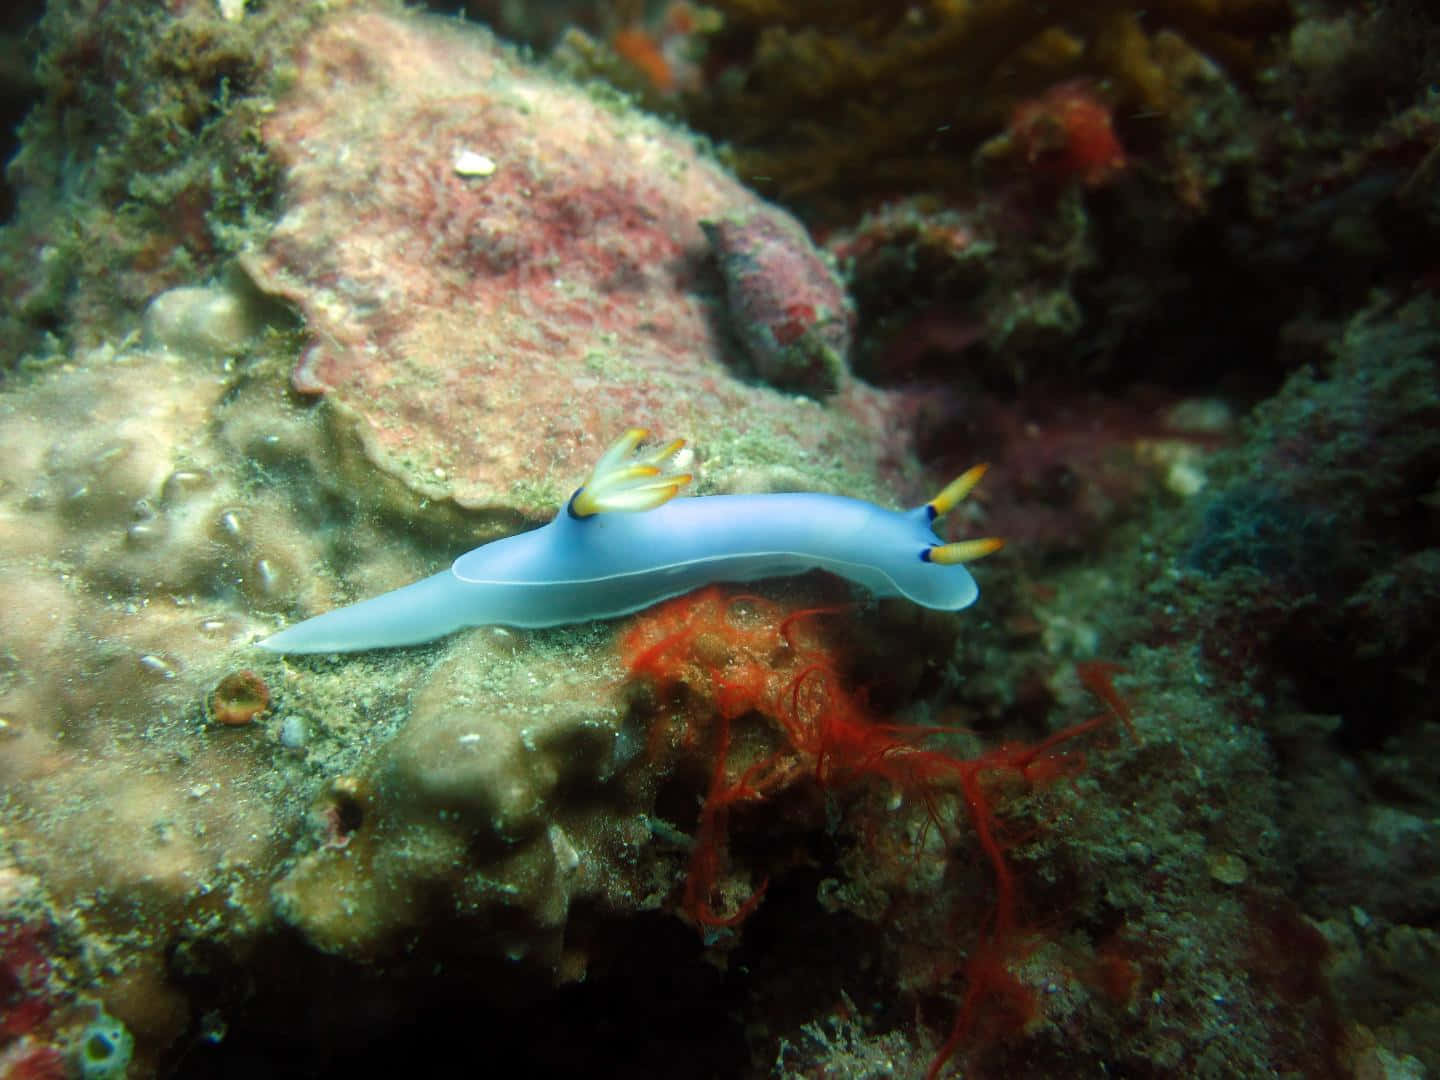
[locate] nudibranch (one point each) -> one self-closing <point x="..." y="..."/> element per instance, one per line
<point x="624" y="542"/>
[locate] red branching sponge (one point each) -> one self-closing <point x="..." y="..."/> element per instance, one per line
<point x="720" y="656"/>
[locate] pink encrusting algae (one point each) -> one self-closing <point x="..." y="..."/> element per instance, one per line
<point x="786" y="304"/>
<point x="497" y="268"/>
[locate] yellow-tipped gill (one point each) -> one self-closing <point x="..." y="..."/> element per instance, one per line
<point x="626" y="480"/>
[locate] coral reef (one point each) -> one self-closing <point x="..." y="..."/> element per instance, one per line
<point x="1171" y="273"/>
<point x="167" y="500"/>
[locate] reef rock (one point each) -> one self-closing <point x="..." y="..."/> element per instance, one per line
<point x="501" y="270"/>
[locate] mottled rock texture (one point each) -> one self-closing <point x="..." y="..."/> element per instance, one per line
<point x="488" y="331"/>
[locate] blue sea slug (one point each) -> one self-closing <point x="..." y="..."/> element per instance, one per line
<point x="624" y="542"/>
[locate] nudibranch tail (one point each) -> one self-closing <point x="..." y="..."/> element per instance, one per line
<point x="420" y="612"/>
<point x="625" y="484"/>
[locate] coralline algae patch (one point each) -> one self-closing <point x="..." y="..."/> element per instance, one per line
<point x="500" y="269"/>
<point x="788" y="306"/>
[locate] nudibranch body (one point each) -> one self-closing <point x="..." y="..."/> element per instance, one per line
<point x="624" y="542"/>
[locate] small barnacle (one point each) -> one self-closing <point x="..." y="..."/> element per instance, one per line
<point x="343" y="810"/>
<point x="157" y="665"/>
<point x="184" y="483"/>
<point x="146" y="533"/>
<point x="230" y="525"/>
<point x="238" y="698"/>
<point x="267" y="578"/>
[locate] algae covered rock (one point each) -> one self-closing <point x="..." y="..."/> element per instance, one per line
<point x="484" y="331"/>
<point x="502" y="796"/>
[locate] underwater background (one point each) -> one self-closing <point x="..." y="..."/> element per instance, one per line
<point x="300" y="300"/>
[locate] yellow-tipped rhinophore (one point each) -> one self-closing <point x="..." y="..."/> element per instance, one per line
<point x="624" y="483"/>
<point x="956" y="490"/>
<point x="963" y="551"/>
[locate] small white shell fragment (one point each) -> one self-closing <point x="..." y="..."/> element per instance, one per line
<point x="470" y="163"/>
<point x="231" y="10"/>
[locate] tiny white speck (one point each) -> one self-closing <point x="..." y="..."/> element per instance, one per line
<point x="470" y="163"/>
<point x="1185" y="479"/>
<point x="468" y="740"/>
